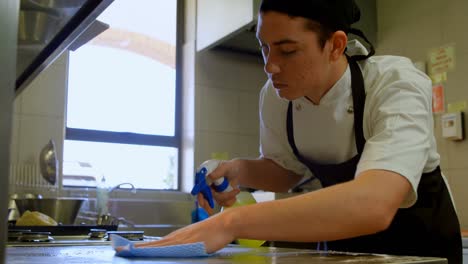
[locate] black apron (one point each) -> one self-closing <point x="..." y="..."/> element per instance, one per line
<point x="429" y="228"/>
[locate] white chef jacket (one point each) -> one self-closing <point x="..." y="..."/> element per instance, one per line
<point x="397" y="122"/>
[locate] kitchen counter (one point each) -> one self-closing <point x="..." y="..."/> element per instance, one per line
<point x="231" y="254"/>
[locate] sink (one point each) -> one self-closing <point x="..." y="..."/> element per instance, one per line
<point x="155" y="217"/>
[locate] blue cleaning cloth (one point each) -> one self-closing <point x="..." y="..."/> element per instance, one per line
<point x="176" y="251"/>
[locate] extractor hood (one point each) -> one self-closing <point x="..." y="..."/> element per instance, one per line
<point x="49" y="27"/>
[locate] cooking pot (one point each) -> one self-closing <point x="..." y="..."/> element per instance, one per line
<point x="13" y="213"/>
<point x="62" y="210"/>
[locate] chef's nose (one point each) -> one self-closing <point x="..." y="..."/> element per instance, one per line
<point x="271" y="67"/>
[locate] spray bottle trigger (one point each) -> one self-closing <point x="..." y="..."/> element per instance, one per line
<point x="202" y="187"/>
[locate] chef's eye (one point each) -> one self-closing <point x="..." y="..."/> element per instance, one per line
<point x="288" y="51"/>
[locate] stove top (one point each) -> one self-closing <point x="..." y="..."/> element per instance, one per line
<point x="61" y="241"/>
<point x="65" y="230"/>
<point x="94" y="237"/>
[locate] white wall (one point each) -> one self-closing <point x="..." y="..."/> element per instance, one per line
<point x="227" y="87"/>
<point x="412" y="29"/>
<point x="38" y="116"/>
<point x="39" y="113"/>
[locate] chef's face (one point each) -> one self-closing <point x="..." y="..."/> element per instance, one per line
<point x="295" y="60"/>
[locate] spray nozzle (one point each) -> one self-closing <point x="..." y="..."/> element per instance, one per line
<point x="203" y="183"/>
<point x="202" y="187"/>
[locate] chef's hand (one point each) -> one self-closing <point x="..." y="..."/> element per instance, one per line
<point x="228" y="170"/>
<point x="211" y="231"/>
<point x="203" y="203"/>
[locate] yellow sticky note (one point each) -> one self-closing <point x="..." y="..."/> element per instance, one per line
<point x="456" y="107"/>
<point x="439" y="78"/>
<point x="442" y="59"/>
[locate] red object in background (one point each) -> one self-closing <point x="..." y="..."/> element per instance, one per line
<point x="438" y="99"/>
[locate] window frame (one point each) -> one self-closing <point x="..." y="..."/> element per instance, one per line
<point x="175" y="141"/>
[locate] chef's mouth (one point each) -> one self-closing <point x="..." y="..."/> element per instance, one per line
<point x="280" y="85"/>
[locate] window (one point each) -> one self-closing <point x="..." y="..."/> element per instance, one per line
<point x="123" y="102"/>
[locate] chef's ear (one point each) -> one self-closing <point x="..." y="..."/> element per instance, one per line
<point x="338" y="42"/>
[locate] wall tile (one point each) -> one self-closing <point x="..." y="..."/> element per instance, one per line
<point x="413" y="28"/>
<point x="401" y="12"/>
<point x="248" y="115"/>
<point x="35" y="132"/>
<point x="17" y="103"/>
<point x="248" y="146"/>
<point x="227" y="89"/>
<point x="235" y="146"/>
<point x="457" y="154"/>
<point x="456" y="86"/>
<point x="229" y="70"/>
<point x="199" y="108"/>
<point x="453" y="14"/>
<point x="442" y="143"/>
<point x="415" y="23"/>
<point x="14" y="138"/>
<point x="46" y="94"/>
<point x="219" y="109"/>
<point x="215" y="142"/>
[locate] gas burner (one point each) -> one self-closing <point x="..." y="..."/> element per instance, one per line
<point x="35" y="237"/>
<point x="13" y="235"/>
<point x="97" y="233"/>
<point x="130" y="235"/>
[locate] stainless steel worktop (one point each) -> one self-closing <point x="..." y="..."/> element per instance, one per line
<point x="232" y="254"/>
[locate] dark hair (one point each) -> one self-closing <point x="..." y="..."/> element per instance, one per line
<point x="324" y="33"/>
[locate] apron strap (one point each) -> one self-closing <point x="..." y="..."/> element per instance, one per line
<point x="290" y="130"/>
<point x="359" y="99"/>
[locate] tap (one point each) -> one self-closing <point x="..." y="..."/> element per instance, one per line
<point x="126" y="222"/>
<point x="118" y="186"/>
<point x="103" y="215"/>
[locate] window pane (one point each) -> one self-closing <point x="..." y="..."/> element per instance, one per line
<point x="124" y="80"/>
<point x="114" y="97"/>
<point x="146" y="167"/>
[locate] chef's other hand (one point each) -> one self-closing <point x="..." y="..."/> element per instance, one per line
<point x="203" y="203"/>
<point x="211" y="231"/>
<point x="228" y="170"/>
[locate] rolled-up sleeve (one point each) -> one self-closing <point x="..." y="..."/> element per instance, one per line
<point x="399" y="122"/>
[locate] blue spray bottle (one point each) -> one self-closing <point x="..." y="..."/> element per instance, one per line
<point x="202" y="185"/>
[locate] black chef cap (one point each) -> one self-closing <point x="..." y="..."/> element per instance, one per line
<point x="333" y="14"/>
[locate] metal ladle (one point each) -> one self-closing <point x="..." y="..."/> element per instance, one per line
<point x="48" y="162"/>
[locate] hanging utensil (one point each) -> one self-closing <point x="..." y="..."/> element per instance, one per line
<point x="48" y="162"/>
